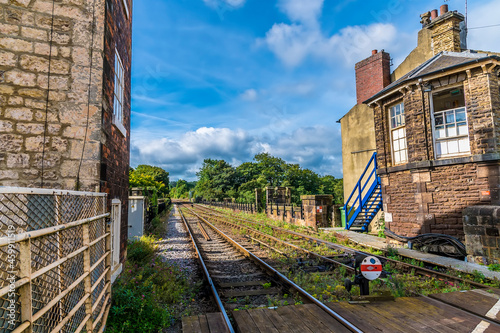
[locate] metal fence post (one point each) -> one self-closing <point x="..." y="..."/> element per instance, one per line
<point x="88" y="278"/>
<point x="25" y="290"/>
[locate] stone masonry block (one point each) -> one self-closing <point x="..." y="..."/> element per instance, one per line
<point x="16" y="161"/>
<point x="6" y="126"/>
<point x="8" y="58"/>
<point x="20" y="78"/>
<point x="37" y="34"/>
<point x="19" y="113"/>
<point x="10" y="142"/>
<point x="30" y="128"/>
<point x="16" y="100"/>
<point x="35" y="143"/>
<point x="16" y="45"/>
<point x="8" y="174"/>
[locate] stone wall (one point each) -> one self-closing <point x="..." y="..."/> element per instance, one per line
<point x="428" y="195"/>
<point x="445" y="31"/>
<point x="44" y="106"/>
<point x="56" y="96"/>
<point x="482" y="229"/>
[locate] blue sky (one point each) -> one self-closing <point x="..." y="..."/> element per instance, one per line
<point x="228" y="79"/>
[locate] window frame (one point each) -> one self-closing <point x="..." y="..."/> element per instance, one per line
<point x="397" y="128"/>
<point x="435" y="140"/>
<point x="119" y="94"/>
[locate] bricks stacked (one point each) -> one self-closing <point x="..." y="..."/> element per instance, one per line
<point x="372" y="75"/>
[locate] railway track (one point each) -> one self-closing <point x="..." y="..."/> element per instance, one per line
<point x="239" y="278"/>
<point x="342" y="256"/>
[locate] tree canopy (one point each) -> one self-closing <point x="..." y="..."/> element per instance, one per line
<point x="149" y="176"/>
<point x="217" y="179"/>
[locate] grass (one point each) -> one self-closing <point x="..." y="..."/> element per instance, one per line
<point x="150" y="294"/>
<point x="331" y="288"/>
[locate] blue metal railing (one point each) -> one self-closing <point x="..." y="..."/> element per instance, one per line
<point x="364" y="191"/>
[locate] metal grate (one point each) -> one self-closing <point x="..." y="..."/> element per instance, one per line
<point x="53" y="265"/>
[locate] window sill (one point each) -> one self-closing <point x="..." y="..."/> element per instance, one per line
<point x="120" y="127"/>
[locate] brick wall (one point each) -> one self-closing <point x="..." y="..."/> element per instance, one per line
<point x="25" y="33"/>
<point x="116" y="146"/>
<point x="372" y="75"/>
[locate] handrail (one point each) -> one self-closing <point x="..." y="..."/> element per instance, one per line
<point x="370" y="180"/>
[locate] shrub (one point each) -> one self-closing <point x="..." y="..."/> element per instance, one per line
<point x="142" y="249"/>
<point x="145" y="295"/>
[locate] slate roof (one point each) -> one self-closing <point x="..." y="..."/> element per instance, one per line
<point x="440" y="62"/>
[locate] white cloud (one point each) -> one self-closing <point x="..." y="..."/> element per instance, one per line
<point x="306" y="12"/>
<point x="315" y="148"/>
<point x="224" y="3"/>
<point x="293" y="43"/>
<point x="249" y="95"/>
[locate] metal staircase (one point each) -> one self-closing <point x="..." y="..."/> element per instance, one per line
<point x="365" y="200"/>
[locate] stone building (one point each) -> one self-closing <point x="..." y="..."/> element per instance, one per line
<point x="65" y="98"/>
<point x="434" y="121"/>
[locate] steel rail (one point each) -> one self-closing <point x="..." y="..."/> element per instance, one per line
<point x="281" y="277"/>
<point x="417" y="269"/>
<point x="207" y="276"/>
<point x="260" y="233"/>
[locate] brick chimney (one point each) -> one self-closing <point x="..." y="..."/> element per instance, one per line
<point x="445" y="30"/>
<point x="372" y="75"/>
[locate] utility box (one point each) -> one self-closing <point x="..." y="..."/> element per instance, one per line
<point x="136" y="212"/>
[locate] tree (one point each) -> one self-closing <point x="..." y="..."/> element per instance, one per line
<point x="216" y="179"/>
<point x="273" y="168"/>
<point x="181" y="190"/>
<point x="158" y="174"/>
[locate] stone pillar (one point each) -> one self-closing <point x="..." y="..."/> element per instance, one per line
<point x="316" y="208"/>
<point x="482" y="230"/>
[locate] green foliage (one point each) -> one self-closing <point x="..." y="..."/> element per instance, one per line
<point x="219" y="180"/>
<point x="150" y="177"/>
<point x="148" y="291"/>
<point x="181" y="189"/>
<point x="141" y="250"/>
<point x="216" y="179"/>
<point x="494" y="267"/>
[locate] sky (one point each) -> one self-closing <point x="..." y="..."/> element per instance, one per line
<point x="228" y="79"/>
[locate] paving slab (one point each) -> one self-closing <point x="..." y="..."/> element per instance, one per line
<point x="381" y="244"/>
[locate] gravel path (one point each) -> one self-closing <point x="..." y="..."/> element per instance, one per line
<point x="176" y="248"/>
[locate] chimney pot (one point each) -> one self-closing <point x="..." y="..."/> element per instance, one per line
<point x="374" y="52"/>
<point x="443" y="9"/>
<point x="434" y="14"/>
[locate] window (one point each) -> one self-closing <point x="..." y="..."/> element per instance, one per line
<point x="398" y="134"/>
<point x="118" y="94"/>
<point x="451" y="132"/>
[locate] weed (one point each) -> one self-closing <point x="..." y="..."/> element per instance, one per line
<point x="266" y="285"/>
<point x="494" y="267"/>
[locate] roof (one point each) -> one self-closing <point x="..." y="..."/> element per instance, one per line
<point x="440" y="62"/>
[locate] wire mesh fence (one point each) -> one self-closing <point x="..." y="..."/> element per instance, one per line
<point x="54" y="261"/>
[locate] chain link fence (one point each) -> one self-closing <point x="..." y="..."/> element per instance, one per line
<point x="54" y="261"/>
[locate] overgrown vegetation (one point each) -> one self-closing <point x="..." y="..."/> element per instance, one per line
<point x="148" y="292"/>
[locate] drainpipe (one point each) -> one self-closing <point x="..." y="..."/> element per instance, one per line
<point x="428" y="88"/>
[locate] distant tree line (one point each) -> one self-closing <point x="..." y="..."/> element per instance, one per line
<point x="217" y="179"/>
